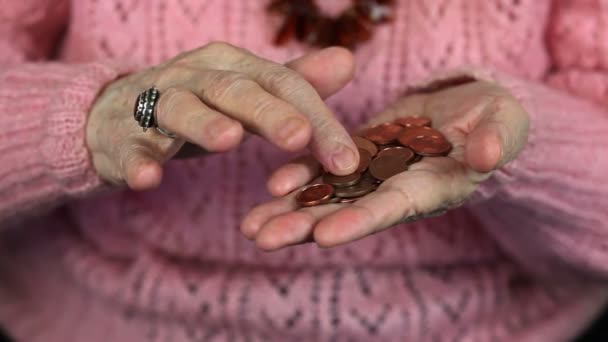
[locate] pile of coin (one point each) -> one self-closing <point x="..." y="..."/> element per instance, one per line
<point x="385" y="150"/>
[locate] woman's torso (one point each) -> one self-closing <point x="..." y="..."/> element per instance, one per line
<point x="198" y="208"/>
<point x="178" y="249"/>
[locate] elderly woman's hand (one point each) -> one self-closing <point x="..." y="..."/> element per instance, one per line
<point x="209" y="96"/>
<point x="487" y="127"/>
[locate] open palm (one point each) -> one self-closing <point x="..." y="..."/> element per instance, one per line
<point x="487" y="128"/>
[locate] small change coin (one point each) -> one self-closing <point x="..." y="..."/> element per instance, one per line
<point x="342" y="181"/>
<point x="358" y="190"/>
<point x="431" y="146"/>
<point x="416" y="159"/>
<point x="365" y="158"/>
<point x="333" y="200"/>
<point x="385" y="167"/>
<point x="409" y="134"/>
<point x="368" y="177"/>
<point x="384" y="147"/>
<point x="315" y="194"/>
<point x="385" y="151"/>
<point x="366" y="145"/>
<point x="413" y="121"/>
<point x="383" y="134"/>
<point x="399" y="152"/>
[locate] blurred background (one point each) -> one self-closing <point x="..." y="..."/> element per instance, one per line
<point x="598" y="332"/>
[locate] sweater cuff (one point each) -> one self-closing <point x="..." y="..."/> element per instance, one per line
<point x="63" y="148"/>
<point x="518" y="88"/>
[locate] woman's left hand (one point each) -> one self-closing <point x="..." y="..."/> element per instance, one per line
<point x="487" y="127"/>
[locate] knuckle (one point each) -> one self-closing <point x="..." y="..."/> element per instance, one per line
<point x="325" y="127"/>
<point x="176" y="72"/>
<point x="218" y="47"/>
<point x="408" y="207"/>
<point x="228" y="86"/>
<point x="213" y="54"/>
<point x="284" y="81"/>
<point x="262" y="110"/>
<point x="221" y="54"/>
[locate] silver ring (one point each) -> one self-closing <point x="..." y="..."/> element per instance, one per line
<point x="165" y="133"/>
<point x="145" y="111"/>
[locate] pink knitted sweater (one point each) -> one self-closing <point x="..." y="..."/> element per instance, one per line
<point x="525" y="260"/>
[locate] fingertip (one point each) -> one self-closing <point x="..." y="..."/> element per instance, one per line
<point x="483" y="151"/>
<point x="293" y="175"/>
<point x="284" y="180"/>
<point x="278" y="184"/>
<point x="267" y="239"/>
<point x="267" y="243"/>
<point x="344" y="160"/>
<point x="328" y="70"/>
<point x="251" y="225"/>
<point x="145" y="176"/>
<point x="342" y="61"/>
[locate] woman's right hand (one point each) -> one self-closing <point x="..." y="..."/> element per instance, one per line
<point x="209" y="96"/>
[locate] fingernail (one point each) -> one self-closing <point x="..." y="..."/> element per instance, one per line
<point x="344" y="158"/>
<point x="290" y="130"/>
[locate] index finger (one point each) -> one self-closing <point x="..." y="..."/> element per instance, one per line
<point x="331" y="144"/>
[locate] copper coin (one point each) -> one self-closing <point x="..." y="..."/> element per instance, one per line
<point x="365" y="158"/>
<point x="431" y="146"/>
<point x="357" y="190"/>
<point x="383" y="134"/>
<point x="342" y="181"/>
<point x="399" y="152"/>
<point x="369" y="178"/>
<point x="366" y="145"/>
<point x="384" y="147"/>
<point x="412" y="133"/>
<point x="332" y="200"/>
<point x="366" y="176"/>
<point x="413" y="121"/>
<point x="416" y="159"/>
<point x="385" y="167"/>
<point x="315" y="194"/>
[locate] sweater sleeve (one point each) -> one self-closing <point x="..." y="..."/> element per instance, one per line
<point x="43" y="110"/>
<point x="548" y="209"/>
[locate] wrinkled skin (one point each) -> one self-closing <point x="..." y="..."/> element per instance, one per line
<point x="209" y="98"/>
<point x="484" y="122"/>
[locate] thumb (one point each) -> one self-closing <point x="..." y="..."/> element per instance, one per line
<point x="498" y="137"/>
<point x="328" y="70"/>
<point x="141" y="168"/>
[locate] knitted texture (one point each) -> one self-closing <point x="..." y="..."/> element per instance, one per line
<point x="513" y="264"/>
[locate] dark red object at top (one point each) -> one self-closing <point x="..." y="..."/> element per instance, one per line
<point x="304" y="21"/>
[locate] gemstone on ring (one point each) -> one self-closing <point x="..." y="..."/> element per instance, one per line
<point x="145" y="107"/>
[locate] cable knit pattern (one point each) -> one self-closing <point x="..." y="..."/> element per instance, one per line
<point x="525" y="260"/>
